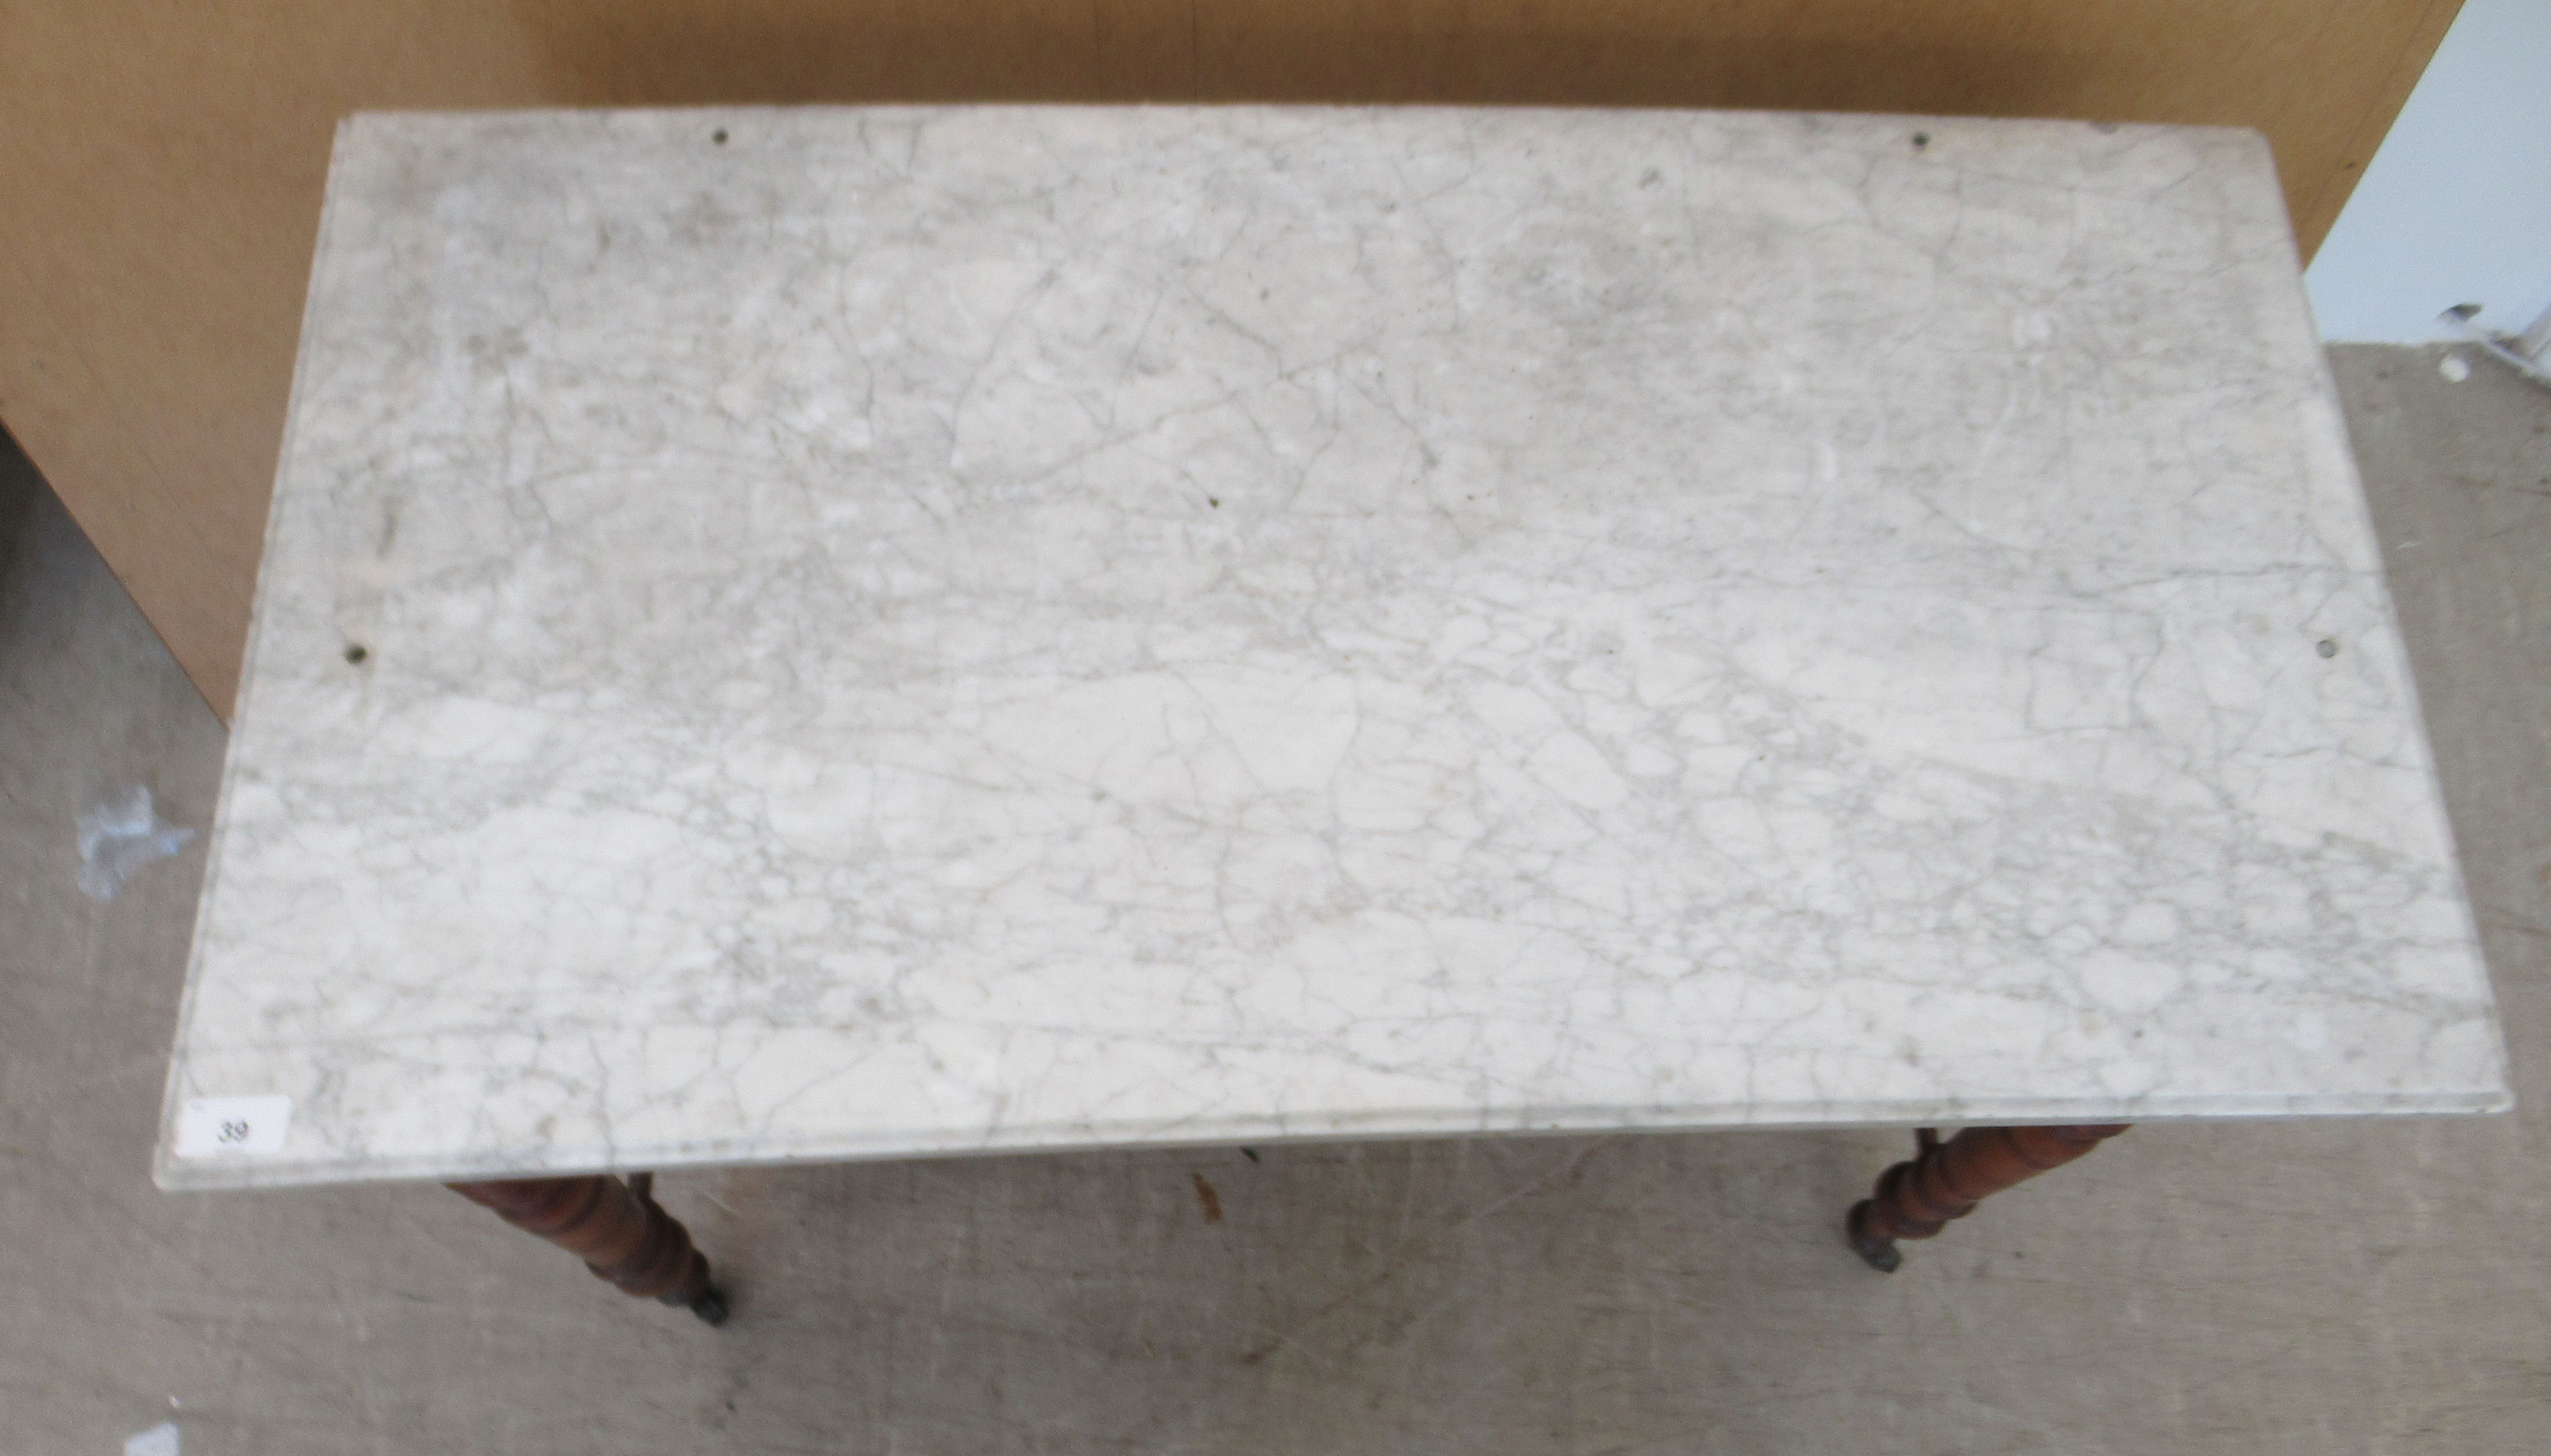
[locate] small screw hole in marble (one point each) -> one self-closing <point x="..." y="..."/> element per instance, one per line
<point x="356" y="652"/>
<point x="2328" y="647"/>
<point x="718" y="136"/>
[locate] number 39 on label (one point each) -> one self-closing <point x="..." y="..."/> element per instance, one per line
<point x="208" y="1127"/>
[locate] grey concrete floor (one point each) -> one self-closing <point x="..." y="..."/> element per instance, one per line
<point x="2326" y="1286"/>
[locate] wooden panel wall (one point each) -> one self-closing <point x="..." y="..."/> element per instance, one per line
<point x="160" y="161"/>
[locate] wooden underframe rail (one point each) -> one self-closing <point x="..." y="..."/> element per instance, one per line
<point x="616" y="1228"/>
<point x="1946" y="1180"/>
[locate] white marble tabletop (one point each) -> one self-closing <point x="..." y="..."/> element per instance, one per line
<point x="815" y="634"/>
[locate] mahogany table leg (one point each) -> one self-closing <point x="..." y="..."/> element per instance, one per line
<point x="616" y="1229"/>
<point x="1946" y="1180"/>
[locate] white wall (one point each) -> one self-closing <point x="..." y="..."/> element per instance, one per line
<point x="2456" y="206"/>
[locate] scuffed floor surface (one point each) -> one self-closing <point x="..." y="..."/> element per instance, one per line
<point x="2344" y="1286"/>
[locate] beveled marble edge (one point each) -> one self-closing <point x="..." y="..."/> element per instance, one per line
<point x="244" y="1171"/>
<point x="166" y="1170"/>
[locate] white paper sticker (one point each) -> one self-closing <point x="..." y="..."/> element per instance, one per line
<point x="209" y="1127"/>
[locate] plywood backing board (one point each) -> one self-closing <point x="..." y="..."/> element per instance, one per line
<point x="162" y="164"/>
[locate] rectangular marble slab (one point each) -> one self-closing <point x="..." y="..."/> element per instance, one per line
<point x="813" y="634"/>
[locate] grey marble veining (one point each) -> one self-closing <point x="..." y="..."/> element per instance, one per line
<point x="843" y="633"/>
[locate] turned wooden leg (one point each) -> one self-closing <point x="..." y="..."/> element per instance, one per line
<point x="616" y="1228"/>
<point x="1946" y="1180"/>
